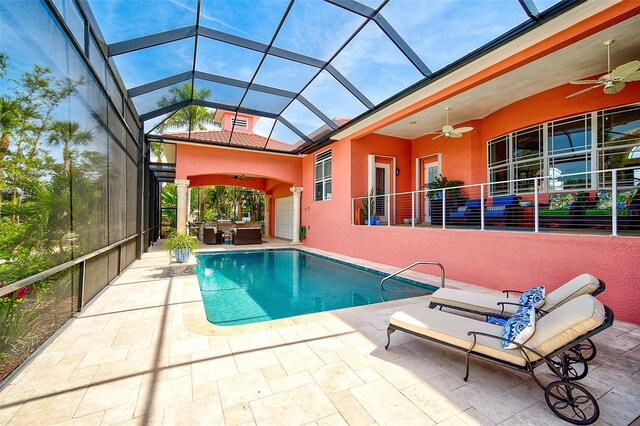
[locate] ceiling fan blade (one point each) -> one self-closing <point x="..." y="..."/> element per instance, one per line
<point x="455" y="135"/>
<point x="586" y="82"/>
<point x="583" y="91"/>
<point x="614" y="88"/>
<point x="463" y="129"/>
<point x="439" y="136"/>
<point x="632" y="77"/>
<point x="447" y="129"/>
<point x="625" y="69"/>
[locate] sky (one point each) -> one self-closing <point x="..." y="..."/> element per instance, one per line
<point x="439" y="31"/>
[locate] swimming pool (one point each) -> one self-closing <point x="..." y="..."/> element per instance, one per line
<point x="253" y="286"/>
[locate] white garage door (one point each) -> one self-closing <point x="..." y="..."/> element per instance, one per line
<point x="284" y="217"/>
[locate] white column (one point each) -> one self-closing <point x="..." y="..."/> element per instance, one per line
<point x="267" y="215"/>
<point x="297" y="192"/>
<point x="182" y="186"/>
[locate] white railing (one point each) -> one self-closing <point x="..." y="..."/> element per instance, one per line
<point x="576" y="201"/>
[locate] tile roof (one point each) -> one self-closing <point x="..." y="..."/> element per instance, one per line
<point x="221" y="137"/>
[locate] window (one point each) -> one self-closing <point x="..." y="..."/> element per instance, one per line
<point x="619" y="144"/>
<point x="240" y="123"/>
<point x="566" y="150"/>
<point x="323" y="176"/>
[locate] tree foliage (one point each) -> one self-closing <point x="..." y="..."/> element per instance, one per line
<point x="193" y="117"/>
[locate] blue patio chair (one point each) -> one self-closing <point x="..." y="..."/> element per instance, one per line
<point x="504" y="209"/>
<point x="469" y="213"/>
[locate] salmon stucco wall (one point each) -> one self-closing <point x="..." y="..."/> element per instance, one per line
<point x="203" y="160"/>
<point x="551" y="105"/>
<point x="494" y="259"/>
<point x="502" y="259"/>
<point x="462" y="159"/>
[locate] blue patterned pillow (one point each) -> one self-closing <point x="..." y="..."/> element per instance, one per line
<point x="519" y="327"/>
<point x="533" y="297"/>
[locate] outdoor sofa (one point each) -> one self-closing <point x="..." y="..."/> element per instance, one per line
<point x="241" y="236"/>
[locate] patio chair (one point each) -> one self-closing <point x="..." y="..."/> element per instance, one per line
<point x="552" y="344"/>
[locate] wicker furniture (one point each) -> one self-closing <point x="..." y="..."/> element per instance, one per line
<point x="242" y="236"/>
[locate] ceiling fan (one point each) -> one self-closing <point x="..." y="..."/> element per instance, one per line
<point x="614" y="81"/>
<point x="449" y="131"/>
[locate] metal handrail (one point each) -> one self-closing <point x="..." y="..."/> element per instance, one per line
<point x="421" y="262"/>
<point x="10" y="288"/>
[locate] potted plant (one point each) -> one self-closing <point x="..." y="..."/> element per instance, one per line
<point x="442" y="182"/>
<point x="435" y="197"/>
<point x="369" y="207"/>
<point x="181" y="245"/>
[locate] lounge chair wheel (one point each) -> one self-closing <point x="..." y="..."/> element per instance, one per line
<point x="571" y="402"/>
<point x="587" y="349"/>
<point x="571" y="364"/>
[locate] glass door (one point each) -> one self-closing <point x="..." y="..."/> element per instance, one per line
<point x="431" y="172"/>
<point x="382" y="188"/>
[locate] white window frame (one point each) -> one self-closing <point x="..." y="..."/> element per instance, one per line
<point x="322" y="158"/>
<point x="591" y="154"/>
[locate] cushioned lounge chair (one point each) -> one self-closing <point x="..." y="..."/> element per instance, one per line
<point x="497" y="305"/>
<point x="552" y="344"/>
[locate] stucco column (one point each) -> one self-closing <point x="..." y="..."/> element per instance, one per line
<point x="267" y="214"/>
<point x="182" y="187"/>
<point x="297" y="192"/>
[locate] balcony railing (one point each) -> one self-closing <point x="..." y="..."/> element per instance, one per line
<point x="577" y="202"/>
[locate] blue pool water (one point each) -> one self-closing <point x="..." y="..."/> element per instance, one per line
<point x="254" y="286"/>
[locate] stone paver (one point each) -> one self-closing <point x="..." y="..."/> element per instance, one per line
<point x="143" y="352"/>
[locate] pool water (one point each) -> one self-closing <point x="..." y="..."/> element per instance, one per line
<point x="253" y="286"/>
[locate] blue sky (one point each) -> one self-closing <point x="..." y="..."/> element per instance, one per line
<point x="440" y="31"/>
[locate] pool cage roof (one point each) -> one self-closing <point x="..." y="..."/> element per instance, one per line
<point x="306" y="67"/>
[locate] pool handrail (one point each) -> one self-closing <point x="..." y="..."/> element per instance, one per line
<point x="420" y="262"/>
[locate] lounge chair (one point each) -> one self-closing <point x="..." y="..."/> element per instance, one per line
<point x="555" y="336"/>
<point x="490" y="304"/>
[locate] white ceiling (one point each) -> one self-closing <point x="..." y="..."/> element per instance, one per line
<point x="585" y="58"/>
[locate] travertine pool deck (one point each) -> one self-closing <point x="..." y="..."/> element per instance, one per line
<point x="143" y="353"/>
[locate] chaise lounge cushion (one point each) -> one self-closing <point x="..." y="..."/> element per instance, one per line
<point x="582" y="284"/>
<point x="473" y="301"/>
<point x="553" y="331"/>
<point x="452" y="329"/>
<point x="488" y="302"/>
<point x="564" y="325"/>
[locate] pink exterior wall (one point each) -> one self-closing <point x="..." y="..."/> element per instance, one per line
<point x="495" y="259"/>
<point x="194" y="160"/>
<point x="228" y="116"/>
<point x="205" y="166"/>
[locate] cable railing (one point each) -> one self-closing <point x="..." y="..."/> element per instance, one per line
<point x="600" y="202"/>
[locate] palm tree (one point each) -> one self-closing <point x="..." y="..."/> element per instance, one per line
<point x="68" y="133"/>
<point x="193" y="116"/>
<point x="158" y="151"/>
